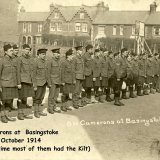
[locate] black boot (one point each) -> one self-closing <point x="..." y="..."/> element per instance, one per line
<point x="131" y="94"/>
<point x="139" y="91"/>
<point x="108" y="98"/>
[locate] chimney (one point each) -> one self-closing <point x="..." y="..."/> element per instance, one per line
<point x="101" y="6"/>
<point x="107" y="7"/>
<point x="153" y="8"/>
<point x="51" y="7"/>
<point x="22" y="9"/>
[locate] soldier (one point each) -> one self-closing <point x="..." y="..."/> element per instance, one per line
<point x="88" y="72"/>
<point x="135" y="70"/>
<point x="54" y="81"/>
<point x="111" y="75"/>
<point x="68" y="79"/>
<point x="123" y="75"/>
<point x="130" y="76"/>
<point x="9" y="82"/>
<point x="142" y="79"/>
<point x="150" y="73"/>
<point x="79" y="74"/>
<point x="156" y="73"/>
<point x="39" y="82"/>
<point x="118" y="80"/>
<point x="25" y="63"/>
<point x="97" y="68"/>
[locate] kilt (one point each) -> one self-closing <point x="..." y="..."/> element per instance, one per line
<point x="104" y="82"/>
<point x="111" y="82"/>
<point x="97" y="83"/>
<point x="150" y="79"/>
<point x="9" y="93"/>
<point x="142" y="80"/>
<point x="88" y="82"/>
<point x="68" y="88"/>
<point x="26" y="90"/>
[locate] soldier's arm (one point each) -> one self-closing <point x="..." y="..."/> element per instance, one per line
<point x="49" y="67"/>
<point x="62" y="71"/>
<point x="18" y="71"/>
<point x="1" y="68"/>
<point x="35" y="65"/>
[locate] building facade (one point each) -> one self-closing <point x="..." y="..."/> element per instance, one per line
<point x="93" y="22"/>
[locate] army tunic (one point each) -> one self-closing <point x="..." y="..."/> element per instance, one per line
<point x="39" y="80"/>
<point x="68" y="76"/>
<point x="135" y="70"/>
<point x="88" y="71"/>
<point x="54" y="81"/>
<point x="142" y="64"/>
<point x="150" y="71"/>
<point x="9" y="78"/>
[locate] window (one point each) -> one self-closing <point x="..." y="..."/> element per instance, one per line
<point x="114" y="30"/>
<point x="24" y="28"/>
<point x="133" y="30"/>
<point x="84" y="27"/>
<point x="29" y="40"/>
<point x="156" y="31"/>
<point x="29" y="27"/>
<point x="78" y="27"/>
<point x="81" y="15"/>
<point x="38" y="40"/>
<point x="59" y="26"/>
<point x="100" y="30"/>
<point x="39" y="28"/>
<point x="52" y="26"/>
<point x="56" y="15"/>
<point x="121" y="30"/>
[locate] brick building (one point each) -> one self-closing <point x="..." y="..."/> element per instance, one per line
<point x="93" y="22"/>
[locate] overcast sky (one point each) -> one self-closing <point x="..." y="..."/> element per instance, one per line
<point x="43" y="5"/>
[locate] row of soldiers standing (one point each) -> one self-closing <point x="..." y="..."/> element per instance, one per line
<point x="86" y="76"/>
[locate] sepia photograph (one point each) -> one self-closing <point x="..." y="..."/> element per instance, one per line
<point x="79" y="79"/>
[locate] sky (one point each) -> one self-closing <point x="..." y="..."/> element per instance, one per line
<point x="43" y="5"/>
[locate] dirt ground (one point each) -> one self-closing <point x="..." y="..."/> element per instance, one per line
<point x="129" y="132"/>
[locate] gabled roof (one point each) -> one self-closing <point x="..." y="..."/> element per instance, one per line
<point x="153" y="19"/>
<point x="32" y="16"/>
<point x="120" y="17"/>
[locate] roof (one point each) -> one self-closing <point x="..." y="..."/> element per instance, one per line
<point x="120" y="17"/>
<point x="153" y="19"/>
<point x="32" y="16"/>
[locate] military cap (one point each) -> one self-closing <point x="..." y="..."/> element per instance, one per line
<point x="79" y="48"/>
<point x="96" y="50"/>
<point x="41" y="50"/>
<point x="123" y="50"/>
<point x="69" y="52"/>
<point x="6" y="47"/>
<point x="26" y="46"/>
<point x="110" y="52"/>
<point x="56" y="50"/>
<point x="116" y="54"/>
<point x="89" y="46"/>
<point x="15" y="46"/>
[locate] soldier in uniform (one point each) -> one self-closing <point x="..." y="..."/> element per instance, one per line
<point x="79" y="74"/>
<point x="68" y="79"/>
<point x="97" y="69"/>
<point x="118" y="80"/>
<point x="150" y="73"/>
<point x="88" y="72"/>
<point x="111" y="75"/>
<point x="39" y="82"/>
<point x="123" y="75"/>
<point x="54" y="80"/>
<point x="9" y="82"/>
<point x="25" y="63"/>
<point x="142" y="78"/>
<point x="156" y="71"/>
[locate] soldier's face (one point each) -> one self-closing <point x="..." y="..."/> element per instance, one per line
<point x="42" y="55"/>
<point x="90" y="51"/>
<point x="15" y="51"/>
<point x="27" y="51"/>
<point x="80" y="52"/>
<point x="57" y="55"/>
<point x="110" y="55"/>
<point x="9" y="52"/>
